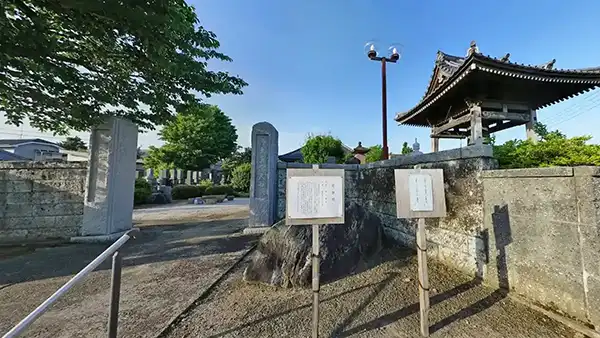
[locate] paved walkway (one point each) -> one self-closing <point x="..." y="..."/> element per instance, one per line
<point x="166" y="268"/>
<point x="380" y="302"/>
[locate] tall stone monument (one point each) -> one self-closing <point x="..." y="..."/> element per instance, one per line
<point x="108" y="204"/>
<point x="263" y="181"/>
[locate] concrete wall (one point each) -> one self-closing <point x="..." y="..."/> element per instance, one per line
<point x="40" y="201"/>
<point x="544" y="236"/>
<point x="458" y="239"/>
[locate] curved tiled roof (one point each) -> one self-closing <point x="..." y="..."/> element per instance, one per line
<point x="449" y="70"/>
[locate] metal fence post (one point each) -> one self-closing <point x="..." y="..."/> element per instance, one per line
<point x="113" y="317"/>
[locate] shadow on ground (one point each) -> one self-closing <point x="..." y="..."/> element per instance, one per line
<point x="151" y="244"/>
<point x="380" y="300"/>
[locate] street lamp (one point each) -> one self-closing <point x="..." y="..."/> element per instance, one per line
<point x="393" y="58"/>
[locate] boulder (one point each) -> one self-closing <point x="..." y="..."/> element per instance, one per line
<point x="158" y="198"/>
<point x="283" y="255"/>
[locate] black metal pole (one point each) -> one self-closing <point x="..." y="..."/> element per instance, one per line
<point x="113" y="317"/>
<point x="385" y="152"/>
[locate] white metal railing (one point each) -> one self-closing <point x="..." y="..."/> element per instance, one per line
<point x="115" y="290"/>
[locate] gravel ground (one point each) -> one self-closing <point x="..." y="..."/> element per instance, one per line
<point x="181" y="212"/>
<point x="379" y="302"/>
<point x="165" y="269"/>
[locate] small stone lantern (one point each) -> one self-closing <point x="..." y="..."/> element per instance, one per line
<point x="360" y="152"/>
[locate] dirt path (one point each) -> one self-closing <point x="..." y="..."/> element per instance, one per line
<point x="166" y="268"/>
<point x="381" y="302"/>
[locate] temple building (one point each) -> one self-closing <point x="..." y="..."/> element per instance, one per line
<point x="476" y="95"/>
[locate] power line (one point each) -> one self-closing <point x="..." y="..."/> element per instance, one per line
<point x="597" y="104"/>
<point x="558" y="114"/>
<point x="575" y="108"/>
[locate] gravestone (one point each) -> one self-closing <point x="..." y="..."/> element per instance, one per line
<point x="180" y="177"/>
<point x="163" y="177"/>
<point x="173" y="173"/>
<point x="188" y="177"/>
<point x="263" y="178"/>
<point x="108" y="204"/>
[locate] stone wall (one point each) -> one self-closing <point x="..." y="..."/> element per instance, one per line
<point x="458" y="239"/>
<point x="544" y="236"/>
<point x="40" y="201"/>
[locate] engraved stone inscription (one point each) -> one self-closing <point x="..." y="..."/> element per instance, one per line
<point x="261" y="170"/>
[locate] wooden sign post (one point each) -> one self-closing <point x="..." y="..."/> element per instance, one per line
<point x="313" y="197"/>
<point x="420" y="194"/>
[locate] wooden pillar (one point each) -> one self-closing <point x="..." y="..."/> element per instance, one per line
<point x="435" y="144"/>
<point x="531" y="135"/>
<point x="476" y="125"/>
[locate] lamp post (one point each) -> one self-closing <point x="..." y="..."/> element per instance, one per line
<point x="393" y="58"/>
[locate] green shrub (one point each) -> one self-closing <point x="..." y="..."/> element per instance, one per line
<point x="318" y="148"/>
<point x="552" y="149"/>
<point x="205" y="183"/>
<point x="240" y="178"/>
<point x="241" y="194"/>
<point x="219" y="190"/>
<point x="374" y="154"/>
<point x="142" y="191"/>
<point x="182" y="192"/>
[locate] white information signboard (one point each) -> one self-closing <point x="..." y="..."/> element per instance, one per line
<point x="315" y="196"/>
<point x="420" y="189"/>
<point x="420" y="193"/>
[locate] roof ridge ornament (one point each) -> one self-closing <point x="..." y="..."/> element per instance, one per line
<point x="473" y="49"/>
<point x="549" y="65"/>
<point x="505" y="57"/>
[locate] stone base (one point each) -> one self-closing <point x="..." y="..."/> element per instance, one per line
<point x="110" y="238"/>
<point x="256" y="230"/>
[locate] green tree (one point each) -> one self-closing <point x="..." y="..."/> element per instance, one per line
<point x="406" y="149"/>
<point x="74" y="143"/>
<point x="68" y="64"/>
<point x="319" y="147"/>
<point x="240" y="179"/>
<point x="374" y="154"/>
<point x="198" y="137"/>
<point x="552" y="149"/>
<point x="243" y="155"/>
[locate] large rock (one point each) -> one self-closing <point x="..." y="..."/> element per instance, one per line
<point x="283" y="255"/>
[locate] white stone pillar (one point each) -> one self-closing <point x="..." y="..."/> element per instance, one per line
<point x="531" y="134"/>
<point x="108" y="205"/>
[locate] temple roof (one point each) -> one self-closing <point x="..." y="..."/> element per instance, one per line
<point x="479" y="76"/>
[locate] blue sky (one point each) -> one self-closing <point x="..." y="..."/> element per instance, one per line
<point x="307" y="70"/>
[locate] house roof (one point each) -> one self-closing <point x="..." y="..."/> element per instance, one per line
<point x="476" y="74"/>
<point x="7" y="143"/>
<point x="8" y="156"/>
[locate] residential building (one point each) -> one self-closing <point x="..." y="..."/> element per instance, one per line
<point x="33" y="149"/>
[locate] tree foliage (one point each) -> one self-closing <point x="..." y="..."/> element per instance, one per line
<point x="74" y="143"/>
<point x="240" y="179"/>
<point x="553" y="148"/>
<point x="198" y="137"/>
<point x="406" y="149"/>
<point x="243" y="155"/>
<point x="374" y="154"/>
<point x="319" y="147"/>
<point x="68" y="64"/>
